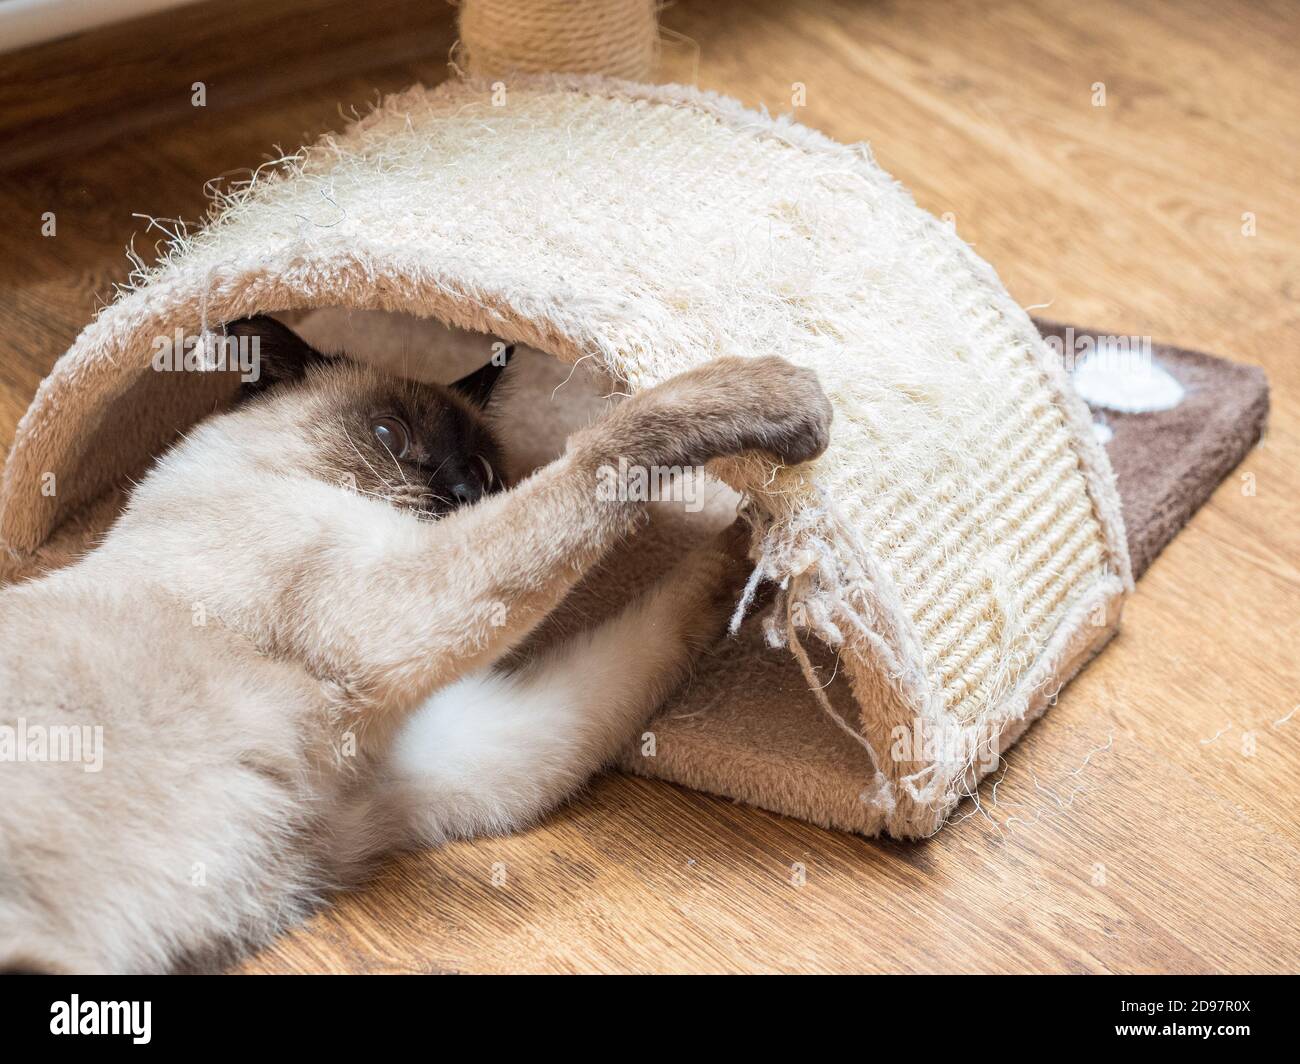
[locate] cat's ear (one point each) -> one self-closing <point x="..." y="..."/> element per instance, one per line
<point x="278" y="354"/>
<point x="477" y="386"/>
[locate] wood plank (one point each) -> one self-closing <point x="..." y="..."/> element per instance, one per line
<point x="80" y="92"/>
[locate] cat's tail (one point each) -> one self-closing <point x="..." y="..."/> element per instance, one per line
<point x="495" y="751"/>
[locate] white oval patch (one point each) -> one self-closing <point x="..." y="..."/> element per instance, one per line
<point x="1103" y="433"/>
<point x="1130" y="385"/>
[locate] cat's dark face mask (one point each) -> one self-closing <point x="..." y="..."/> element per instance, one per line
<point x="420" y="447"/>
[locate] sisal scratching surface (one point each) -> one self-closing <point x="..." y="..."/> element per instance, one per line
<point x="615" y="37"/>
<point x="987" y="554"/>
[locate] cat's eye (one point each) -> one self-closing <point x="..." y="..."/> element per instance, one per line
<point x="489" y="477"/>
<point x="393" y="434"/>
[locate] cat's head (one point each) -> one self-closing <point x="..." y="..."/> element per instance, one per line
<point x="420" y="447"/>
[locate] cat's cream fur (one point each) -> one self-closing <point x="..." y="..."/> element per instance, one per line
<point x="293" y="677"/>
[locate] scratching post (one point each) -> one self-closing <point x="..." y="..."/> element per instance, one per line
<point x="614" y="37"/>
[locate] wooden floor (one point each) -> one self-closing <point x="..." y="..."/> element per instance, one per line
<point x="1149" y="822"/>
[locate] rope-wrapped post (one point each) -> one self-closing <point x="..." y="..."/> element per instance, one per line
<point x="614" y="37"/>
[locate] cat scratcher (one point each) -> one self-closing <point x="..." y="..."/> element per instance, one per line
<point x="960" y="546"/>
<point x="747" y="726"/>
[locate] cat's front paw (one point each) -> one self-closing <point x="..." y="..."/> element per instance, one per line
<point x="791" y="414"/>
<point x="718" y="410"/>
<point x="709" y="583"/>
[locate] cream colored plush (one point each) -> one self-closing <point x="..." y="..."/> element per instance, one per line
<point x="960" y="546"/>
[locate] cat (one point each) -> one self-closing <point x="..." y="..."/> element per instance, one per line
<point x="301" y="640"/>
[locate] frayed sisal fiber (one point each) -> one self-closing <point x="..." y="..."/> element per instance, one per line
<point x="960" y="545"/>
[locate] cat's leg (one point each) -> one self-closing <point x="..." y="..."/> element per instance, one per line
<point x="410" y="607"/>
<point x="495" y="751"/>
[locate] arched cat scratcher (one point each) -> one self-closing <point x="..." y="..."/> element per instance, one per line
<point x="960" y="544"/>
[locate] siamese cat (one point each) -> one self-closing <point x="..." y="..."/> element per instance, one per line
<point x="299" y="645"/>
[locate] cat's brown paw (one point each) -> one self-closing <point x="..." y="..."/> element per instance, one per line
<point x="707" y="584"/>
<point x="792" y="415"/>
<point x="723" y="408"/>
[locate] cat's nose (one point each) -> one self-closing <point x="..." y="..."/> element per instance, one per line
<point x="464" y="494"/>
